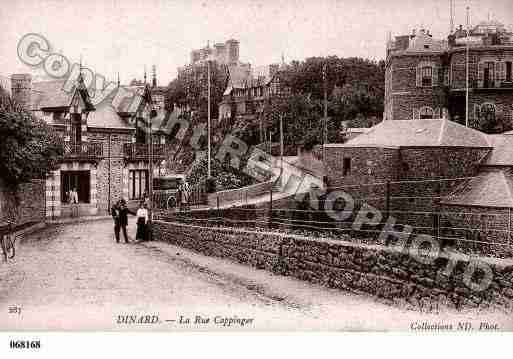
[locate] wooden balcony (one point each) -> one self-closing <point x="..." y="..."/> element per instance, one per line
<point x="85" y="151"/>
<point x="141" y="152"/>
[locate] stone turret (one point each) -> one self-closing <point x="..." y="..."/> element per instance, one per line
<point x="21" y="88"/>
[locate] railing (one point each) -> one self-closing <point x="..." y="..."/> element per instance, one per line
<point x="141" y="151"/>
<point x="198" y="195"/>
<point x="494" y="84"/>
<point x="83" y="151"/>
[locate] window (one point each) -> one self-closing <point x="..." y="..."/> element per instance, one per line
<point x="140" y="133"/>
<point x="346" y="166"/>
<point x="427" y="76"/>
<point x="137" y="183"/>
<point x="508" y="71"/>
<point x="488" y="74"/>
<point x="76" y="128"/>
<point x="78" y="180"/>
<point x="446" y="77"/>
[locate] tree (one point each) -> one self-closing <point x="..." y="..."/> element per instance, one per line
<point x="29" y="148"/>
<point x="355" y="88"/>
<point x="191" y="88"/>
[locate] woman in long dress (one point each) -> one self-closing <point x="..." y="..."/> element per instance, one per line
<point x="142" y="221"/>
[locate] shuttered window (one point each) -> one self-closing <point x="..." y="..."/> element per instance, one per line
<point x="508" y="71"/>
<point x="426" y="76"/>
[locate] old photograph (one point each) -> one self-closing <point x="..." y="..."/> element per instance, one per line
<point x="244" y="166"/>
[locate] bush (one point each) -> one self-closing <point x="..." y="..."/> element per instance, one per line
<point x="29" y="148"/>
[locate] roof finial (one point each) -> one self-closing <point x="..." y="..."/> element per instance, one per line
<point x="154" y="76"/>
<point x="80" y="68"/>
<point x="119" y="81"/>
<point x="452" y="16"/>
<point x="145" y="74"/>
<point x="468" y="18"/>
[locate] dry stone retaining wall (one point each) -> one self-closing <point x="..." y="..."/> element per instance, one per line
<point x="386" y="273"/>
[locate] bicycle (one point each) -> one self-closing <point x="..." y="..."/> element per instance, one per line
<point x="7" y="240"/>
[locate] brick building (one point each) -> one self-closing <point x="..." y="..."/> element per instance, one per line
<point x="106" y="147"/>
<point x="426" y="77"/>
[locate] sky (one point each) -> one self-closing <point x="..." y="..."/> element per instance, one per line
<point x="125" y="36"/>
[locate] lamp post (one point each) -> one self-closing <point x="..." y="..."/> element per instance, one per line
<point x="281" y="142"/>
<point x="466" y="68"/>
<point x="208" y="120"/>
<point x="325" y="125"/>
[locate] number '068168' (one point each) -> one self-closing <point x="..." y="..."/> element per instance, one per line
<point x="25" y="344"/>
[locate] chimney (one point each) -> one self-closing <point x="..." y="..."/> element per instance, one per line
<point x="21" y="88"/>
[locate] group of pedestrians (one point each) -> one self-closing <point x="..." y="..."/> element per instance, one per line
<point x="120" y="213"/>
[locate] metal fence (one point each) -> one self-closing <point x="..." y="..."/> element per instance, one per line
<point x="418" y="209"/>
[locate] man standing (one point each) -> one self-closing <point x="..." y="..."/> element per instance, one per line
<point x="123" y="218"/>
<point x="115" y="211"/>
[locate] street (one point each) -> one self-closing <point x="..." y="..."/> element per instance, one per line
<point x="76" y="277"/>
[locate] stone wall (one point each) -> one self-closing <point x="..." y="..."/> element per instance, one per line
<point x="117" y="166"/>
<point x="384" y="272"/>
<point x="478" y="226"/>
<point x="403" y="96"/>
<point x="26" y="205"/>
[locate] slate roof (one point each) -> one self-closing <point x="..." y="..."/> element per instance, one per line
<point x="106" y="116"/>
<point x="125" y="100"/>
<point x="418" y="133"/>
<point x="48" y="94"/>
<point x="490" y="188"/>
<point x="502" y="152"/>
<point x="128" y="99"/>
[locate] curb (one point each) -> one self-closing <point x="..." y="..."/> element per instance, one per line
<point x="78" y="219"/>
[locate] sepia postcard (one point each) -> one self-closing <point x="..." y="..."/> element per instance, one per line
<point x="243" y="166"/>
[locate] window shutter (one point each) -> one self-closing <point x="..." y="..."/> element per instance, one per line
<point x="419" y="76"/>
<point x="477" y="109"/>
<point x="480" y="69"/>
<point x="502" y="73"/>
<point x="498" y="74"/>
<point x="434" y="75"/>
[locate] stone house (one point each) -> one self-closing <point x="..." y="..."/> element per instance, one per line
<point x="436" y="175"/>
<point x="426" y="77"/>
<point x="106" y="146"/>
<point x="245" y="96"/>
